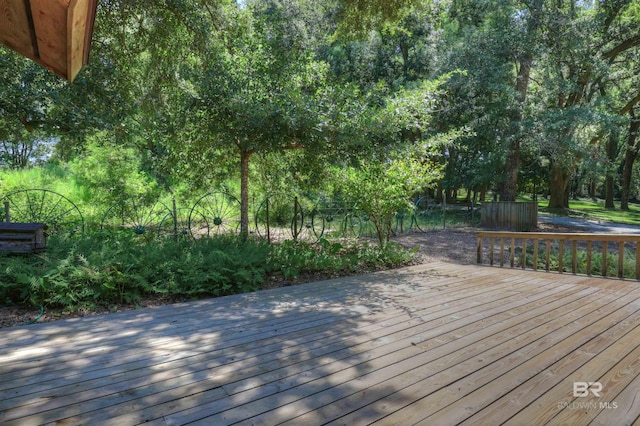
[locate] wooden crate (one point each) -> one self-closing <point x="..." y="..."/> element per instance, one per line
<point x="22" y="237"/>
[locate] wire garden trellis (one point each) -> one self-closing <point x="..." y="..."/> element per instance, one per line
<point x="277" y="217"/>
<point x="59" y="213"/>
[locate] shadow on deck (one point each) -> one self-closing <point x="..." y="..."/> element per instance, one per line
<point x="431" y="344"/>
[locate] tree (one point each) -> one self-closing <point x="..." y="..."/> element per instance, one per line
<point x="578" y="80"/>
<point x="380" y="190"/>
<point x="524" y="55"/>
<point x="401" y="159"/>
<point x="252" y="93"/>
<point x="25" y="104"/>
<point x="631" y="154"/>
<point x="480" y="98"/>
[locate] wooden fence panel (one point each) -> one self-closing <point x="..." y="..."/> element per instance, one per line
<point x="517" y="216"/>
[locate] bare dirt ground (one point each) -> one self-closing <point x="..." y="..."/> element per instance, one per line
<point x="456" y="245"/>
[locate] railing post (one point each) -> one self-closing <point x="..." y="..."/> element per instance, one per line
<point x="547" y="263"/>
<point x="620" y="259"/>
<point x="637" y="260"/>
<point x="578" y="242"/>
<point x="491" y="243"/>
<point x="589" y="255"/>
<point x="605" y="251"/>
<point x="512" y="257"/>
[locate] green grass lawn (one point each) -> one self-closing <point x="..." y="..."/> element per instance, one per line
<point x="594" y="209"/>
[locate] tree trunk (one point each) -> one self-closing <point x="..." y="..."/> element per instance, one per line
<point x="508" y="191"/>
<point x="592" y="189"/>
<point x="609" y="188"/>
<point x="612" y="153"/>
<point x="629" y="158"/>
<point x="439" y="193"/>
<point x="244" y="193"/>
<point x="559" y="194"/>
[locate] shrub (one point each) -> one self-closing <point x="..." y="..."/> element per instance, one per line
<point x="105" y="269"/>
<point x="122" y="269"/>
<point x="293" y="258"/>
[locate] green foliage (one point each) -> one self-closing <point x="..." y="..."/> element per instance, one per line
<point x="110" y="173"/>
<point x="50" y="177"/>
<point x="188" y="88"/>
<point x="26" y="92"/>
<point x="294" y="258"/>
<point x="104" y="269"/>
<point x="358" y="17"/>
<point x="381" y="189"/>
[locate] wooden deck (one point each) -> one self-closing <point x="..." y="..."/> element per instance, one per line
<point x="433" y="345"/>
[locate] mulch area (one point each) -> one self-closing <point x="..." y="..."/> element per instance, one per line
<point x="456" y="245"/>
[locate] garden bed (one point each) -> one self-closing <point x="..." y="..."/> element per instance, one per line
<point x="456" y="245"/>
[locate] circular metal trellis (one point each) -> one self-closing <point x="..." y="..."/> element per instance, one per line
<point x="175" y="224"/>
<point x="281" y="217"/>
<point x="60" y="214"/>
<point x="351" y="225"/>
<point x="340" y="221"/>
<point x="213" y="214"/>
<point x="136" y="214"/>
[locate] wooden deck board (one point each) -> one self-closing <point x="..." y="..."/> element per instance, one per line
<point x="430" y="344"/>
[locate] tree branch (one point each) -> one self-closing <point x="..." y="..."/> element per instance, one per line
<point x="625" y="45"/>
<point x="629" y="106"/>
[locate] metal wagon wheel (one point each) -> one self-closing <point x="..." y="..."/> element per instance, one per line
<point x="213" y="214"/>
<point x="175" y="224"/>
<point x="282" y="217"/>
<point x="367" y="228"/>
<point x="351" y="226"/>
<point x="427" y="214"/>
<point x="136" y="214"/>
<point x="317" y="222"/>
<point x="328" y="219"/>
<point x="402" y="222"/>
<point x="421" y="213"/>
<point x="59" y="213"/>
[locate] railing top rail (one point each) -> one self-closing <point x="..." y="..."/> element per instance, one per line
<point x="579" y="236"/>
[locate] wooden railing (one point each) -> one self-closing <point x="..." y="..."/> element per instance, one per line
<point x="508" y="251"/>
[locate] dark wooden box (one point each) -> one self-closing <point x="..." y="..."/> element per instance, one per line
<point x="22" y="237"/>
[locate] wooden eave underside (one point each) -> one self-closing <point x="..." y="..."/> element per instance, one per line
<point x="54" y="33"/>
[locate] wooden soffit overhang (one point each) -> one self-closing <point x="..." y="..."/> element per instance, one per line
<point x="54" y="33"/>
